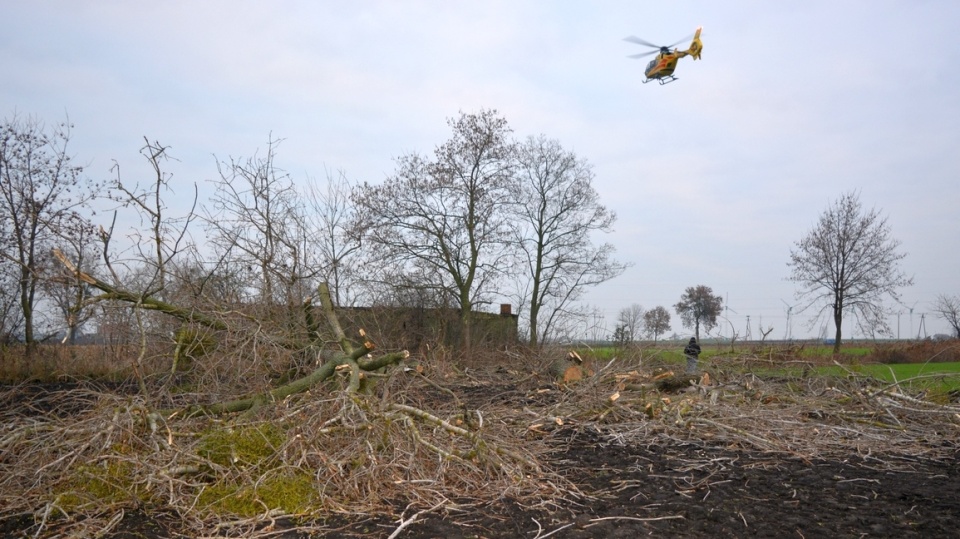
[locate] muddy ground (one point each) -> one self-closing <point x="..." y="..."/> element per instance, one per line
<point x="639" y="480"/>
<point x="696" y="490"/>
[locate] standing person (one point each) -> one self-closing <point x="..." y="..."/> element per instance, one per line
<point x="692" y="351"/>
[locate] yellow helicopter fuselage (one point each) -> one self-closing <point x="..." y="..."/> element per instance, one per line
<point x="662" y="66"/>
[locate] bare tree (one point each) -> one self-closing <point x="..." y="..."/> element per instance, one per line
<point x="41" y="191"/>
<point x="71" y="296"/>
<point x="146" y="283"/>
<point x="847" y="264"/>
<point x="444" y="220"/>
<point x="332" y="214"/>
<point x="698" y="306"/>
<point x="11" y="316"/>
<point x="948" y="308"/>
<point x="656" y="322"/>
<point x="558" y="210"/>
<point x="166" y="236"/>
<point x="764" y="332"/>
<point x="197" y="285"/>
<point x="631" y="320"/>
<point x="258" y="222"/>
<point x="621" y="336"/>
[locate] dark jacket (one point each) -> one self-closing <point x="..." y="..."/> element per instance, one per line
<point x="692" y="349"/>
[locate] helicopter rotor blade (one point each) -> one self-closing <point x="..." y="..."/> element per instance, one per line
<point x="688" y="38"/>
<point x="642" y="54"/>
<point x="638" y="41"/>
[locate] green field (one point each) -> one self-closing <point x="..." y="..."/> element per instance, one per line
<point x="935" y="378"/>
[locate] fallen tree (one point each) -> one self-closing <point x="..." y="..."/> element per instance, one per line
<point x="348" y="356"/>
<point x="353" y="435"/>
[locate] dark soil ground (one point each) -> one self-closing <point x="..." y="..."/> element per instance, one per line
<point x="664" y="487"/>
<point x="701" y="491"/>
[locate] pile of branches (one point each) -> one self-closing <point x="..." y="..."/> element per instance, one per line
<point x="351" y="437"/>
<point x="76" y="466"/>
<point x="802" y="416"/>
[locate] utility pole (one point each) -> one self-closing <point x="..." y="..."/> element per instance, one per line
<point x="911" y="318"/>
<point x="789" y="333"/>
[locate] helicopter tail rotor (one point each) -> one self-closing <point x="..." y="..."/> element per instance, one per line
<point x="696" y="46"/>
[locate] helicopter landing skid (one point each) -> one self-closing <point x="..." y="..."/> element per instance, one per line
<point x="662" y="80"/>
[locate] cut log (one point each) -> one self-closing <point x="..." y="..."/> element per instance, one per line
<point x="569" y="368"/>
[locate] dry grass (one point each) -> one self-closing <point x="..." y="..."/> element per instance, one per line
<point x="53" y="362"/>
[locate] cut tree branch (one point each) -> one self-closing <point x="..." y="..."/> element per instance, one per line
<point x="111" y="292"/>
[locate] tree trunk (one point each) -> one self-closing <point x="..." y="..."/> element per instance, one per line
<point x="26" y="306"/>
<point x="466" y="320"/>
<point x="534" y="336"/>
<point x="837" y="320"/>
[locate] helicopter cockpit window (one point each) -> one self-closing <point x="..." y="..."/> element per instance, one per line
<point x="651" y="64"/>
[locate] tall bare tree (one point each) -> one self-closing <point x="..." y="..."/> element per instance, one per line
<point x="656" y="322"/>
<point x="847" y="264"/>
<point x="11" y="316"/>
<point x="699" y="307"/>
<point x="948" y="308"/>
<point x="444" y="219"/>
<point x="166" y="237"/>
<point x="257" y="222"/>
<point x="631" y="320"/>
<point x="41" y="193"/>
<point x="146" y="278"/>
<point x="558" y="211"/>
<point x="331" y="214"/>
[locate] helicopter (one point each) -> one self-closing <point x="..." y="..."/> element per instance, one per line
<point x="661" y="68"/>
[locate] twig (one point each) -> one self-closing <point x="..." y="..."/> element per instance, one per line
<point x="638" y="519"/>
<point x="544" y="536"/>
<point x="412" y="519"/>
<point x="766" y="444"/>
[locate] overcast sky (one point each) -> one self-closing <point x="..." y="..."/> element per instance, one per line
<point x="713" y="177"/>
